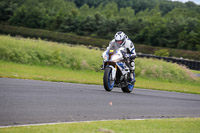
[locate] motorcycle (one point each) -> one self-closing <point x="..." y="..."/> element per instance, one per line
<point x="117" y="70"/>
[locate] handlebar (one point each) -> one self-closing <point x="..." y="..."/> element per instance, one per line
<point x="133" y="57"/>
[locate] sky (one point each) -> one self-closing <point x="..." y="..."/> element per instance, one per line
<point x="195" y="1"/>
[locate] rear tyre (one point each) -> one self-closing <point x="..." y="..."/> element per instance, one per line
<point x="128" y="88"/>
<point x="107" y="79"/>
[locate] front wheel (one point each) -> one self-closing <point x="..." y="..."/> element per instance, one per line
<point x="107" y="79"/>
<point x="128" y="88"/>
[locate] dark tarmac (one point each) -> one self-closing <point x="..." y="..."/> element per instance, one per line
<point x="33" y="102"/>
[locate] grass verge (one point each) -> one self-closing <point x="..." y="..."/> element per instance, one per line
<point x="60" y="74"/>
<point x="179" y="125"/>
<point x="48" y="73"/>
<point x="195" y="71"/>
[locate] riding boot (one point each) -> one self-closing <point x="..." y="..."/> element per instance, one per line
<point x="132" y="75"/>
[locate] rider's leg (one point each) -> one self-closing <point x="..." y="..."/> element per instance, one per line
<point x="132" y="74"/>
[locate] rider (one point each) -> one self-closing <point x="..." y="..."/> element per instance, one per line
<point x="122" y="40"/>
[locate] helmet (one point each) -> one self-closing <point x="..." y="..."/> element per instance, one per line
<point x="120" y="38"/>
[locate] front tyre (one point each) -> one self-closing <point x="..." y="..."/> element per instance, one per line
<point x="128" y="88"/>
<point x="107" y="79"/>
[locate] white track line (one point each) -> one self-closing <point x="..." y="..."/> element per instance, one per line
<point x="41" y="124"/>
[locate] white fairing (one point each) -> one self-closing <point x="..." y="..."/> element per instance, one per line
<point x="113" y="72"/>
<point x="117" y="57"/>
<point x="104" y="55"/>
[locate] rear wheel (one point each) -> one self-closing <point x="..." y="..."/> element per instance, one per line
<point x="128" y="88"/>
<point x="107" y="79"/>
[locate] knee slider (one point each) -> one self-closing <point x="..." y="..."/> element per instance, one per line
<point x="132" y="65"/>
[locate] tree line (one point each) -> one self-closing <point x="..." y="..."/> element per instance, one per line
<point x="152" y="22"/>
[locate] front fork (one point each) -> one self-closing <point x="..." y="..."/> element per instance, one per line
<point x="112" y="66"/>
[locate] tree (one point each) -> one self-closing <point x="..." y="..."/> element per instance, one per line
<point x="85" y="10"/>
<point x="127" y="13"/>
<point x="193" y="40"/>
<point x="7" y="8"/>
<point x="110" y="10"/>
<point x="32" y="16"/>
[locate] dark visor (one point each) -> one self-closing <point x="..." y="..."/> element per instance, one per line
<point x="119" y="42"/>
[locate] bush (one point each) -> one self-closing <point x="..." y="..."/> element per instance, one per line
<point x="162" y="52"/>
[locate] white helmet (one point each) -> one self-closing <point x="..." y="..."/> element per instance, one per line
<point x="120" y="38"/>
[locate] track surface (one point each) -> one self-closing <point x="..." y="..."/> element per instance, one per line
<point x="32" y="102"/>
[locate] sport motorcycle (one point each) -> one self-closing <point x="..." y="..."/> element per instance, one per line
<point x="117" y="70"/>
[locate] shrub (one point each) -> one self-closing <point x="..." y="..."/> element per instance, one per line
<point x="162" y="52"/>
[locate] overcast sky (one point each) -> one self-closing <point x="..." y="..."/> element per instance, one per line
<point x="195" y="1"/>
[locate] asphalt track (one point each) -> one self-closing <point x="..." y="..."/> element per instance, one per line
<point x="32" y="102"/>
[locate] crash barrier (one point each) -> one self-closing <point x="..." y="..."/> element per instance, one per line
<point x="191" y="64"/>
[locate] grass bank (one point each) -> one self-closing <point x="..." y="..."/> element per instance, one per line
<point x="180" y="125"/>
<point x="39" y="52"/>
<point x="60" y="74"/>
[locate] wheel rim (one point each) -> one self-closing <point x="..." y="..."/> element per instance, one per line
<point x="130" y="87"/>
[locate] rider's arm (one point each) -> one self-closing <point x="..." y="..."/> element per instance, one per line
<point x="130" y="46"/>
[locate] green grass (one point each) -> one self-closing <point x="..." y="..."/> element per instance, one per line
<point x="180" y="125"/>
<point x="48" y="73"/>
<point x="38" y="52"/>
<point x="158" y="69"/>
<point x="195" y="71"/>
<point x="60" y="74"/>
<point x="185" y="87"/>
